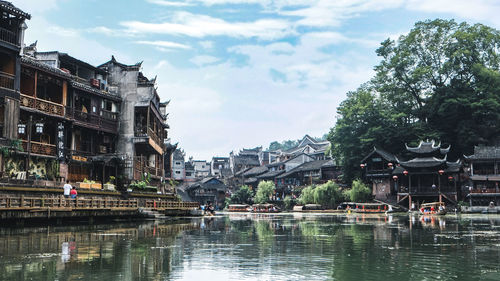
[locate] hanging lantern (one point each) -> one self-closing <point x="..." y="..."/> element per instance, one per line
<point x="441" y="172"/>
<point x="389" y="164"/>
<point x="362" y="165"/>
<point x="39" y="128"/>
<point x="450" y="178"/>
<point x="405" y="172"/>
<point x="395" y="178"/>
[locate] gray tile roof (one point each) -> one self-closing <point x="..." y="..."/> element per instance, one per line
<point x="308" y="166"/>
<point x="255" y="171"/>
<point x="384" y="154"/>
<point x="270" y="174"/>
<point x="5" y="5"/>
<point x="252" y="160"/>
<point x="485" y="153"/>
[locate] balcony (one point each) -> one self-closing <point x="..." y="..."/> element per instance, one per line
<point x="141" y="167"/>
<point x="151" y="137"/>
<point x="40" y="148"/>
<point x="107" y="122"/>
<point x="44" y="106"/>
<point x="8" y="36"/>
<point x="6" y="80"/>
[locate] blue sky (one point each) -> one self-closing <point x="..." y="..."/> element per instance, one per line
<point x="241" y="73"/>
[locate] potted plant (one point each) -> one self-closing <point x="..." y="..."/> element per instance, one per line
<point x="85" y="184"/>
<point x="110" y="184"/>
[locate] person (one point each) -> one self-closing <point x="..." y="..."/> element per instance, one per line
<point x="67" y="188"/>
<point x="73" y="193"/>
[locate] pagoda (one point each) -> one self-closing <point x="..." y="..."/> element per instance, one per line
<point x="427" y="175"/>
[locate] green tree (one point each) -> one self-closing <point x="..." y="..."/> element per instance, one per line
<point x="327" y="194"/>
<point x="359" y="192"/>
<point x="242" y="196"/>
<point x="288" y="202"/>
<point x="307" y="195"/>
<point x="443" y="77"/>
<point x="440" y="81"/>
<point x="265" y="190"/>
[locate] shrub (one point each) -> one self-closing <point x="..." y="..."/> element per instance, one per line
<point x="359" y="192"/>
<point x="327" y="194"/>
<point x="265" y="190"/>
<point x="289" y="202"/>
<point x="307" y="195"/>
<point x="243" y="195"/>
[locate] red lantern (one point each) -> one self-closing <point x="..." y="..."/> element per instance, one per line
<point x="405" y="172"/>
<point x="389" y="164"/>
<point x="362" y="165"/>
<point x="394" y="177"/>
<point x="450" y="178"/>
<point x="441" y="172"/>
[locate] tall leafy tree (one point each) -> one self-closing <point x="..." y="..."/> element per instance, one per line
<point x="440" y="81"/>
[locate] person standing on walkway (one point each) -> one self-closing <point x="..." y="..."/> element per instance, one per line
<point x="73" y="193"/>
<point x="67" y="189"/>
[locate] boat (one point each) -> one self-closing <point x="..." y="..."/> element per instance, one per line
<point x="434" y="208"/>
<point x="264" y="208"/>
<point x="238" y="208"/>
<point x="372" y="208"/>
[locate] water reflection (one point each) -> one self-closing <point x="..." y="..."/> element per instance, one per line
<point x="259" y="247"/>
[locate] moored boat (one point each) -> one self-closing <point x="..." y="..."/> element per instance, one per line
<point x="264" y="208"/>
<point x="369" y="208"/>
<point x="238" y="208"/>
<point x="433" y="208"/>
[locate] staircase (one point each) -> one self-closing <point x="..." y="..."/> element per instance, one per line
<point x="149" y="213"/>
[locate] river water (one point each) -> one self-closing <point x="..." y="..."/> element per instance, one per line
<point x="258" y="247"/>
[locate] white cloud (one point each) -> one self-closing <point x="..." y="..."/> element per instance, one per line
<point x="164" y="44"/>
<point x="204" y="60"/>
<point x="194" y="25"/>
<point x="481" y="10"/>
<point x="219" y="107"/>
<point x="327" y="13"/>
<point x="62" y="31"/>
<point x="169" y="3"/>
<point x="207" y="44"/>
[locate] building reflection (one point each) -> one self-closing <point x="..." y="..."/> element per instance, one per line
<point x="255" y="247"/>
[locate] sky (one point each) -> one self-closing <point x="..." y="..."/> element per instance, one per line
<point x="241" y="73"/>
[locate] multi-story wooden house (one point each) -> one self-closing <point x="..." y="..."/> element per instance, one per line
<point x="143" y="127"/>
<point x="484" y="173"/>
<point x="12" y="27"/>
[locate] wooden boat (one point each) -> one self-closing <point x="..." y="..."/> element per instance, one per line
<point x="372" y="208"/>
<point x="238" y="208"/>
<point x="434" y="208"/>
<point x="264" y="208"/>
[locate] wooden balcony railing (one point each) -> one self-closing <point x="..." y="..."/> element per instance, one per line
<point x="25" y="202"/>
<point x="42" y="105"/>
<point x="109" y="121"/>
<point x="150" y="134"/>
<point x="40" y="148"/>
<point x="6" y="80"/>
<point x="485" y="190"/>
<point x="141" y="167"/>
<point x="8" y="36"/>
<point x="171" y="205"/>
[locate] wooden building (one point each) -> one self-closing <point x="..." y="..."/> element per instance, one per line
<point x="209" y="190"/>
<point x="427" y="175"/>
<point x="377" y="169"/>
<point x="484" y="172"/>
